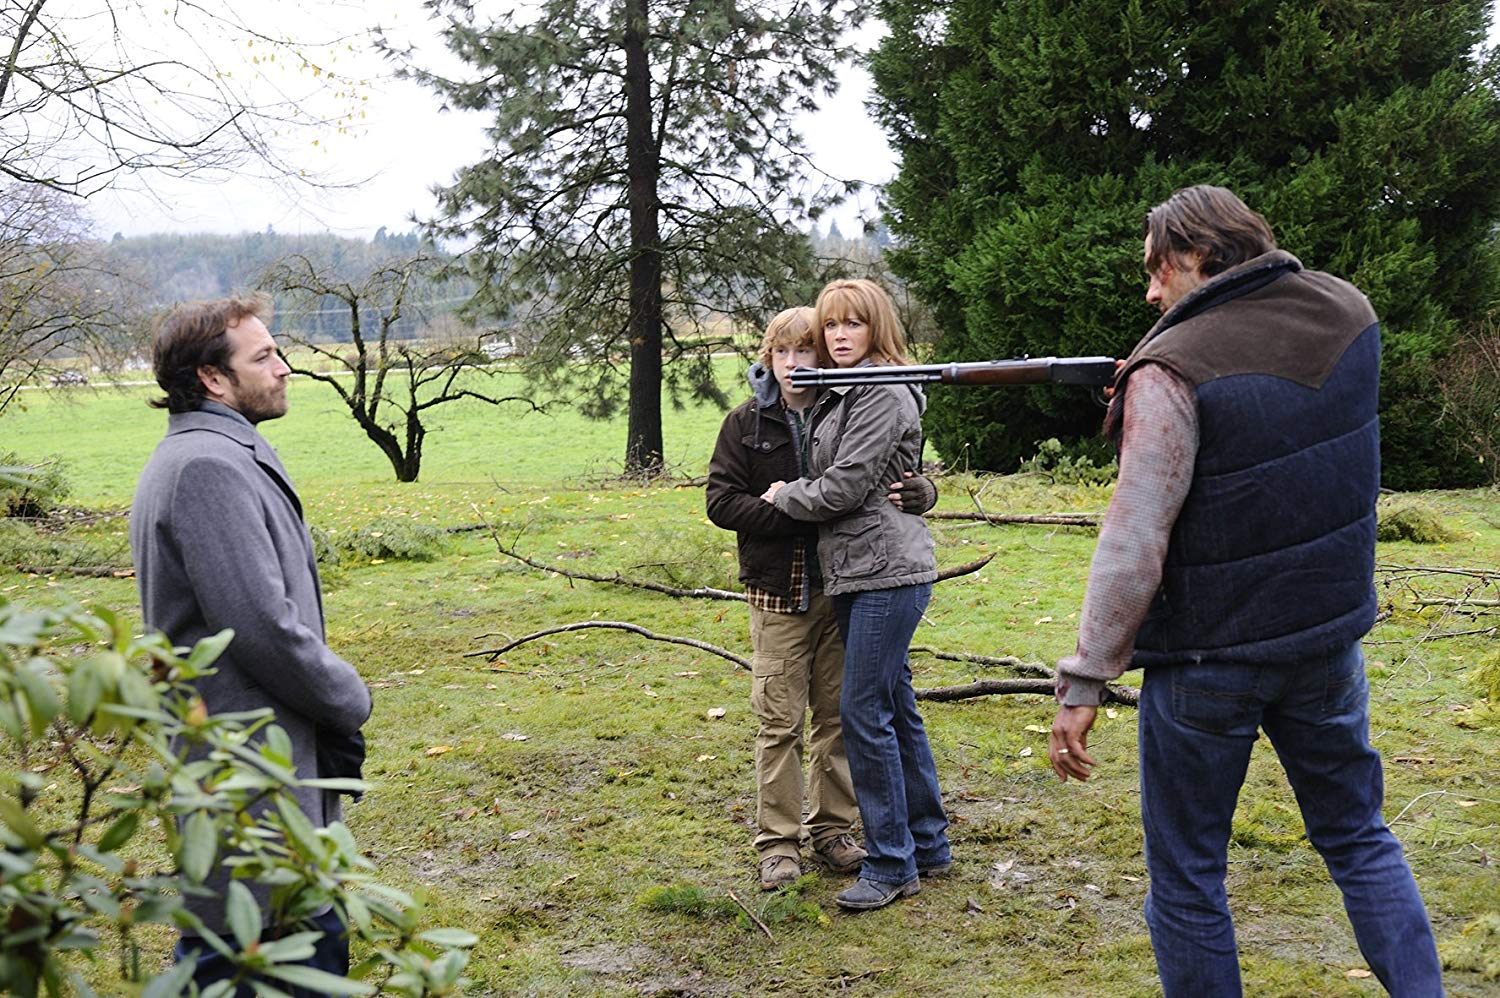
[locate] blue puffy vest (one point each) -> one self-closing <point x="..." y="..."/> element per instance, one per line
<point x="1272" y="557"/>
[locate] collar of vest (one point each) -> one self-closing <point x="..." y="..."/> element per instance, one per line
<point x="1237" y="280"/>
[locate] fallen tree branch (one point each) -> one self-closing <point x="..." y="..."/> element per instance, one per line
<point x="1474" y="573"/>
<point x="1443" y="601"/>
<point x="1002" y="661"/>
<point x="1058" y="519"/>
<point x="1113" y="693"/>
<point x="736" y="899"/>
<point x="86" y="571"/>
<point x="701" y="592"/>
<point x="617" y="625"/>
<point x="1126" y="695"/>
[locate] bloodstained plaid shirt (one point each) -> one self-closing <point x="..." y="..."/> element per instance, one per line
<point x="1158" y="449"/>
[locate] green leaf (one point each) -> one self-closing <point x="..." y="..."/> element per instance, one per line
<point x="120" y="832"/>
<point x="278" y="745"/>
<point x="208" y="649"/>
<point x="298" y="828"/>
<point x="41" y="699"/>
<point x="293" y="948"/>
<point x="319" y="981"/>
<point x="242" y="914"/>
<point x="9" y="719"/>
<point x="170" y="984"/>
<point x="85" y="687"/>
<point x="199" y="845"/>
<point x="450" y="938"/>
<point x="18" y="821"/>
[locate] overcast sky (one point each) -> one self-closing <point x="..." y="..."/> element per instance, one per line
<point x="405" y="145"/>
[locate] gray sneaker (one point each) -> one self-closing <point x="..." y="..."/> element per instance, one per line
<point x="778" y="871"/>
<point x="840" y="853"/>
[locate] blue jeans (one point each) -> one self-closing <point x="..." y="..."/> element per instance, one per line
<point x="332" y="955"/>
<point x="1197" y="726"/>
<point x="895" y="777"/>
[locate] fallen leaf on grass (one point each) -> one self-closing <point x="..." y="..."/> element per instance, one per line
<point x="715" y="713"/>
<point x="439" y="749"/>
<point x="705" y="757"/>
<point x="973" y="908"/>
<point x="1038" y="729"/>
<point x="1468" y="803"/>
<point x="465" y="813"/>
<point x="518" y="836"/>
<point x="1111" y="712"/>
<point x="686" y="675"/>
<point x="512" y="736"/>
<point x="1025" y="753"/>
<point x="1042" y="620"/>
<point x="1357" y="972"/>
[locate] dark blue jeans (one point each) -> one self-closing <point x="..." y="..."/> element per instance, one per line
<point x="895" y="777"/>
<point x="1197" y="726"/>
<point x="332" y="955"/>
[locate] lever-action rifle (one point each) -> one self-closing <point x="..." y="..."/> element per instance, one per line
<point x="1095" y="371"/>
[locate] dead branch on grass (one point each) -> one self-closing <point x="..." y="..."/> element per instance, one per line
<point x="700" y="592"/>
<point x="1126" y="695"/>
<point x="1055" y="519"/>
<point x="984" y="687"/>
<point x="618" y="625"/>
<point x="86" y="571"/>
<point x="736" y="899"/>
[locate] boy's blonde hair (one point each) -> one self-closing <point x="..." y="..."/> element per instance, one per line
<point x="792" y="327"/>
<point x="868" y="302"/>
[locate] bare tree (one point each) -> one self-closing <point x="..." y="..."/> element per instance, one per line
<point x="1469" y="384"/>
<point x="56" y="298"/>
<point x="390" y="384"/>
<point x="94" y="89"/>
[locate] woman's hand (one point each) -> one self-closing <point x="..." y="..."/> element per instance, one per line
<point x="770" y="494"/>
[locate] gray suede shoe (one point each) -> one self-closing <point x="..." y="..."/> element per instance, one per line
<point x="869" y="894"/>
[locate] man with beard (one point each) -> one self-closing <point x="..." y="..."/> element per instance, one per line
<point x="1235" y="566"/>
<point x="218" y="539"/>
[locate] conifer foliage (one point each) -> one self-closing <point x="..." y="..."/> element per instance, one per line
<point x="1034" y="136"/>
<point x="645" y="179"/>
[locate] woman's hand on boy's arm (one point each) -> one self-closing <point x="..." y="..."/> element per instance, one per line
<point x="914" y="494"/>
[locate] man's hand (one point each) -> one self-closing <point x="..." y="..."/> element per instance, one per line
<point x="1067" y="745"/>
<point x="770" y="494"/>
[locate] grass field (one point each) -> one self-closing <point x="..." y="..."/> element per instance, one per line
<point x="539" y="798"/>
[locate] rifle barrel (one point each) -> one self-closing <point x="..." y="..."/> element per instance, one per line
<point x="1096" y="371"/>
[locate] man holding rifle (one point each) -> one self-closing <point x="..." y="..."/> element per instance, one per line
<point x="1235" y="565"/>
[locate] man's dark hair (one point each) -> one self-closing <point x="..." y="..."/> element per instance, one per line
<point x="195" y="335"/>
<point x="1210" y="221"/>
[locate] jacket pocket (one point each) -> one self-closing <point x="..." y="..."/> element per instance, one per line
<point x="858" y="546"/>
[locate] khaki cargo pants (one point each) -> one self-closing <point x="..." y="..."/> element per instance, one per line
<point x="799" y="664"/>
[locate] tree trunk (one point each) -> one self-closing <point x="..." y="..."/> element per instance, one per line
<point x="643" y="443"/>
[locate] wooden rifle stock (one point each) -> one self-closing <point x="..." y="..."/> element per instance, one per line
<point x="1093" y="371"/>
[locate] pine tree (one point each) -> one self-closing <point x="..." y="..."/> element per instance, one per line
<point x="1035" y="135"/>
<point x="645" y="180"/>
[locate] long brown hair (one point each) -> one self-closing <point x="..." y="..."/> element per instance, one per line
<point x="868" y="302"/>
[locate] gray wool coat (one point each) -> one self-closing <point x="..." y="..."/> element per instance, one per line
<point x="218" y="540"/>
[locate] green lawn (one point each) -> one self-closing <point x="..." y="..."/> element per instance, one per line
<point x="539" y="797"/>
